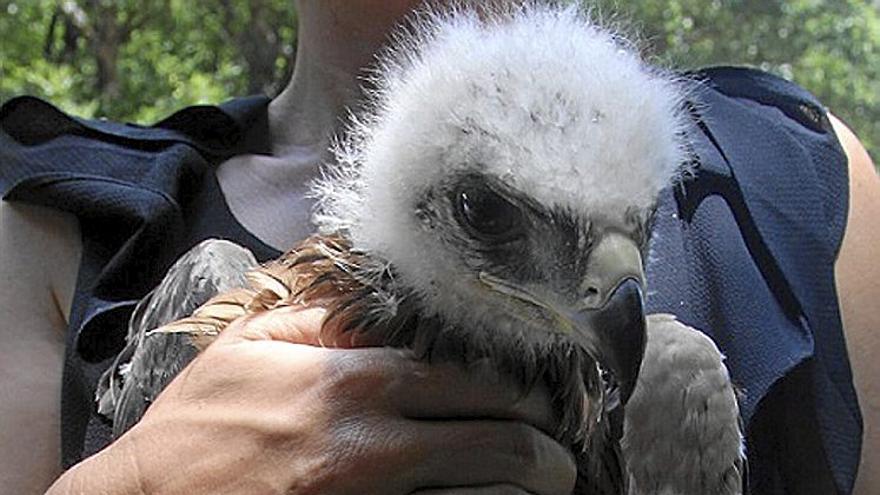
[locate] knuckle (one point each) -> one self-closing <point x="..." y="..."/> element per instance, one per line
<point x="526" y="449"/>
<point x="357" y="375"/>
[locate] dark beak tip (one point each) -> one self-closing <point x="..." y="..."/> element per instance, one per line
<point x="624" y="334"/>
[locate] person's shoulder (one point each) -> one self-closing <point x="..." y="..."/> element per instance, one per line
<point x="52" y="158"/>
<point x="857" y="272"/>
<point x="30" y="121"/>
<point x="743" y="79"/>
<point x="766" y="90"/>
<point x="42" y="147"/>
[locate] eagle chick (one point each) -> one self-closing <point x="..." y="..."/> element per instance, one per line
<point x="493" y="200"/>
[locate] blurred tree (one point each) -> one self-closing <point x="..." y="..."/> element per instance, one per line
<point x="831" y="47"/>
<point x="139" y="60"/>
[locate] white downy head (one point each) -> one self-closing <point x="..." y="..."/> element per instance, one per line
<point x="535" y="97"/>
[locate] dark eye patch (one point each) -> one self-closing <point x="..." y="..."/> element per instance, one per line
<point x="486" y="213"/>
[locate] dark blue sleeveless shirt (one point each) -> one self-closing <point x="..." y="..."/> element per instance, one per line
<point x="743" y="250"/>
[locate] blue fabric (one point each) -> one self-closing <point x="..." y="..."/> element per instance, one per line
<point x="143" y="196"/>
<point x="743" y="250"/>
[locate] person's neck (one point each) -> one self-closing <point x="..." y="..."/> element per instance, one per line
<point x="304" y="116"/>
<point x="332" y="50"/>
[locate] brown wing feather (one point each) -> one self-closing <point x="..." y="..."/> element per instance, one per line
<point x="317" y="272"/>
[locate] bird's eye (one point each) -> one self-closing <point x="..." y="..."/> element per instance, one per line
<point x="489" y="214"/>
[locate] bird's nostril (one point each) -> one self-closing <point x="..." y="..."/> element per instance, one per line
<point x="591" y="296"/>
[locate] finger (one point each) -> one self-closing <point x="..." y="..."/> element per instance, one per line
<point x="415" y="389"/>
<point x="483" y="453"/>
<point x="295" y="325"/>
<point x="420" y="390"/>
<point x="475" y="390"/>
<point x="497" y="489"/>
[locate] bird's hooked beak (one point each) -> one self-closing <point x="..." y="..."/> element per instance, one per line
<point x="609" y="319"/>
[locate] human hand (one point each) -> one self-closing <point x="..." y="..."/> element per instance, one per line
<point x="263" y="410"/>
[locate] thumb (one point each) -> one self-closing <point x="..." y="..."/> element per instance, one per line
<point x="295" y="325"/>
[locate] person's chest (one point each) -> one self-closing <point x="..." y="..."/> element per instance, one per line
<point x="269" y="197"/>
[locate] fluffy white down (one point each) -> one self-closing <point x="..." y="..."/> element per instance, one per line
<point x="539" y="96"/>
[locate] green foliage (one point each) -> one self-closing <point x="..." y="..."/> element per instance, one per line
<point x="830" y="47"/>
<point x="140" y="60"/>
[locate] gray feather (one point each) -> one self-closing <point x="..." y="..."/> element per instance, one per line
<point x="682" y="430"/>
<point x="150" y="360"/>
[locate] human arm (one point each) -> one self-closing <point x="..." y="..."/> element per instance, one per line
<point x="258" y="412"/>
<point x="39" y="258"/>
<point x="858" y="286"/>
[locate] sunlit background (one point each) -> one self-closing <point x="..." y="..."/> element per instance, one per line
<point x="139" y="60"/>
